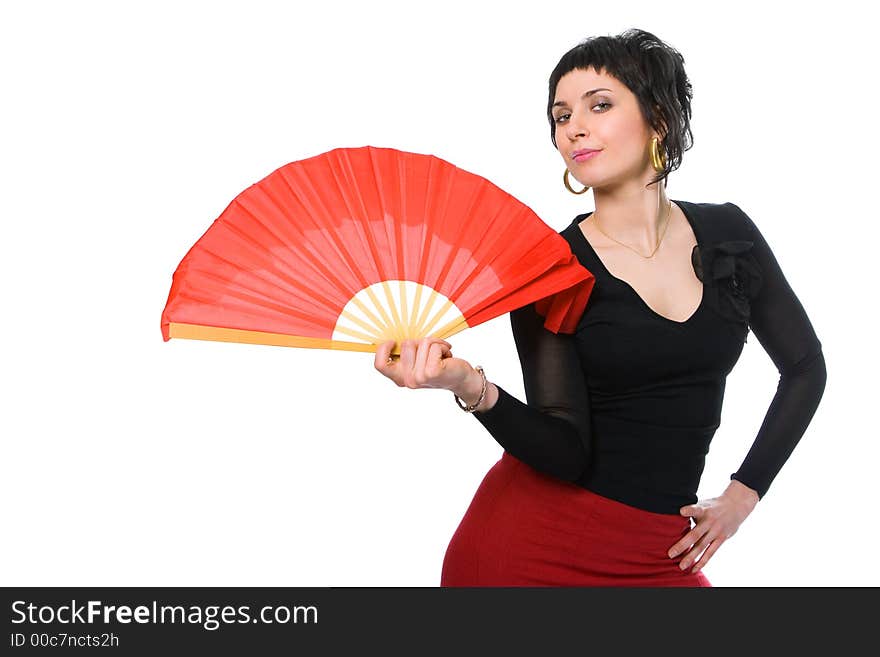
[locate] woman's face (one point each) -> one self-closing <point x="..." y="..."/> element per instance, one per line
<point x="594" y="111"/>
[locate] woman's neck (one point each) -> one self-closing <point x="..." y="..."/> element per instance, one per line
<point x="637" y="215"/>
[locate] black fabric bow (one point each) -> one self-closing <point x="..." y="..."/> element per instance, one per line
<point x="734" y="277"/>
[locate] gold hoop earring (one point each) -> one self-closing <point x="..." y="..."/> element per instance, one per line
<point x="568" y="186"/>
<point x="657" y="161"/>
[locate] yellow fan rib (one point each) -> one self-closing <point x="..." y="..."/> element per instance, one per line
<point x="413" y="313"/>
<point x="215" y="333"/>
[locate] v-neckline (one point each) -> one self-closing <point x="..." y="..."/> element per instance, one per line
<point x="698" y="245"/>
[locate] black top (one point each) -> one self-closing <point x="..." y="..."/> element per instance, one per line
<point x="628" y="404"/>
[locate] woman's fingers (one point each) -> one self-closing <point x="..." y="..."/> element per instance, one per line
<point x="697" y="512"/>
<point x="683" y="544"/>
<point x="407" y="363"/>
<point x="417" y="366"/>
<point x="713" y="546"/>
<point x="386" y="364"/>
<point x="417" y="352"/>
<point x="383" y="352"/>
<point x="430" y="352"/>
<point x="434" y="366"/>
<point x="700" y="548"/>
<point x="690" y="539"/>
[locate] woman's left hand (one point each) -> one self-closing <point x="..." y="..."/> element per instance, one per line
<point x="717" y="519"/>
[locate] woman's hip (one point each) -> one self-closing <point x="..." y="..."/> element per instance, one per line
<point x="527" y="528"/>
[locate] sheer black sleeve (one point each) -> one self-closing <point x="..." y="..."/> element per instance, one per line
<point x="782" y="327"/>
<point x="552" y="431"/>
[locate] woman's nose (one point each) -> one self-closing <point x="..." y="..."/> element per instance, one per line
<point x="577" y="127"/>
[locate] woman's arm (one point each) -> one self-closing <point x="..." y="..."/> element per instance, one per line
<point x="782" y="327"/>
<point x="552" y="431"/>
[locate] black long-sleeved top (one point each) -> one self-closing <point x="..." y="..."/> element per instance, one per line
<point x="628" y="404"/>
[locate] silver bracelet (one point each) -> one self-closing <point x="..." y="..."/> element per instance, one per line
<point x="473" y="407"/>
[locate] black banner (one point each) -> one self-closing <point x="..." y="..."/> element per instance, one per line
<point x="412" y="621"/>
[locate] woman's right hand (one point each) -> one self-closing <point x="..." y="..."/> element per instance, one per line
<point x="428" y="363"/>
<point x="425" y="363"/>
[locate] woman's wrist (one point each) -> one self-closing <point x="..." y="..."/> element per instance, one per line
<point x="472" y="388"/>
<point x="490" y="399"/>
<point x="742" y="493"/>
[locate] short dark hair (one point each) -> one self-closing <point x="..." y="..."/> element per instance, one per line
<point x="653" y="71"/>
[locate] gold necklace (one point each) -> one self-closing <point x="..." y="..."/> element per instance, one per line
<point x="668" y="209"/>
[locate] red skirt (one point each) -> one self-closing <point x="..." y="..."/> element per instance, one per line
<point x="525" y="528"/>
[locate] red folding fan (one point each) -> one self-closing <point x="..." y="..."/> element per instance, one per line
<point x="356" y="246"/>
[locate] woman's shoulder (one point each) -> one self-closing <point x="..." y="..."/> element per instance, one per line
<point x="719" y="220"/>
<point x="712" y="208"/>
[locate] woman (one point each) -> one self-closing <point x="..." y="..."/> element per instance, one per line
<point x="597" y="484"/>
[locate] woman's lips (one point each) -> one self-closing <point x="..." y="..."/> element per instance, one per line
<point x="580" y="157"/>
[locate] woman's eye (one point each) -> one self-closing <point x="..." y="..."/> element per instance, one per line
<point x="604" y="108"/>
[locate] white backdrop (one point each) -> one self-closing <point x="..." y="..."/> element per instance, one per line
<point x="126" y="129"/>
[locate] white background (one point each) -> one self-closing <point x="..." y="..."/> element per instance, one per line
<point x="126" y="129"/>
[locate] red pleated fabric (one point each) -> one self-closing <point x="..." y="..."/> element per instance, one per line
<point x="295" y="253"/>
<point x="525" y="528"/>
